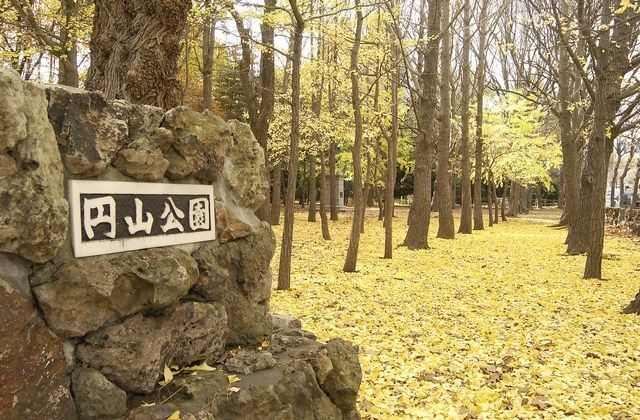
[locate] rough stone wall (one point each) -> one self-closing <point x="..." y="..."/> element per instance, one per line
<point x="83" y="337"/>
<point x="625" y="219"/>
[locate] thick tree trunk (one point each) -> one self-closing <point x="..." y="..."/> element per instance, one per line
<point x="135" y="47"/>
<point x="446" y="228"/>
<point x="420" y="211"/>
<point x="612" y="63"/>
<point x="593" y="183"/>
<point x="465" y="186"/>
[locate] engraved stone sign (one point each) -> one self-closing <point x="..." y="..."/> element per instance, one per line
<point x="108" y="217"/>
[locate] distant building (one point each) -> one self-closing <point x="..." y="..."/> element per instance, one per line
<point x="340" y="178"/>
<point x="625" y="200"/>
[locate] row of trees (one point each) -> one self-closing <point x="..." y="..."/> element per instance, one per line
<point x="494" y="94"/>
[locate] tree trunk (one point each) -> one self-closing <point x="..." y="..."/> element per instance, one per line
<point x="625" y="171"/>
<point x="435" y="202"/>
<point x="539" y="197"/>
<point x="358" y="202"/>
<point x="208" y="48"/>
<point x="333" y="182"/>
<point x="561" y="193"/>
<point x="614" y="178"/>
<point x="323" y="200"/>
<point x="420" y="211"/>
<point x="568" y="140"/>
<point x="68" y="69"/>
<point x="478" y="223"/>
<point x="392" y="152"/>
<point x="312" y="189"/>
<point x="303" y="198"/>
<point x="492" y="190"/>
<point x="187" y="79"/>
<point x="259" y="93"/>
<point x="503" y="204"/>
<point x="453" y="191"/>
<point x="135" y="50"/>
<point x="446" y="228"/>
<point x="68" y="60"/>
<point x="465" y="185"/>
<point x="490" y="202"/>
<point x="612" y="63"/>
<point x="513" y="200"/>
<point x="636" y="183"/>
<point x="276" y="194"/>
<point x="593" y="183"/>
<point x="284" y="272"/>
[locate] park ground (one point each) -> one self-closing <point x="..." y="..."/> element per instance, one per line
<point x="497" y="324"/>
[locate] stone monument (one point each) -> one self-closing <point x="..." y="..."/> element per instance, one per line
<point x="135" y="277"/>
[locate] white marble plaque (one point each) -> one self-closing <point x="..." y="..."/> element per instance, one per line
<point x="108" y="217"/>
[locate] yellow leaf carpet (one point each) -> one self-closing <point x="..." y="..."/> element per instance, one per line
<point x="496" y="324"/>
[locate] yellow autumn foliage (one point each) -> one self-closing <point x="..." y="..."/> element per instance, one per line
<point x="497" y="324"/>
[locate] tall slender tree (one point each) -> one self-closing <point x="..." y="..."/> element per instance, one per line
<point x="392" y="139"/>
<point x="284" y="269"/>
<point x="478" y="223"/>
<point x="465" y="185"/>
<point x="356" y="153"/>
<point x="446" y="228"/>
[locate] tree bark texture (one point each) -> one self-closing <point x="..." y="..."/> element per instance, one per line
<point x="392" y="152"/>
<point x="326" y="235"/>
<point x="135" y="47"/>
<point x="284" y="272"/>
<point x="311" y="216"/>
<point x="465" y="186"/>
<point x="420" y="211"/>
<point x="478" y="223"/>
<point x="356" y="153"/>
<point x="446" y="228"/>
<point x="276" y="194"/>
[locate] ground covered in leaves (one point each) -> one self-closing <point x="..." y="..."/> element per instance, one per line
<point x="496" y="324"/>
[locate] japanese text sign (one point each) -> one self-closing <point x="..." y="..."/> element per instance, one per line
<point x="108" y="217"/>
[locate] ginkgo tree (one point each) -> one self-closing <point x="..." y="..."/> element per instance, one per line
<point x="517" y="148"/>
